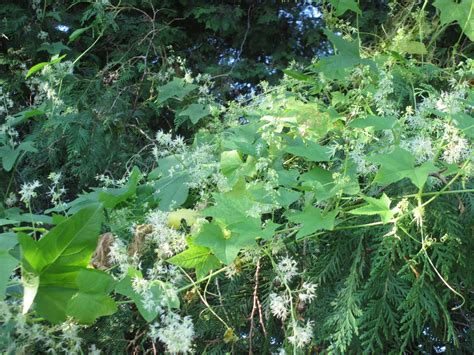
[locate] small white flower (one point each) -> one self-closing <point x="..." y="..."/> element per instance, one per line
<point x="279" y="305"/>
<point x="287" y="268"/>
<point x="169" y="240"/>
<point x="307" y="292"/>
<point x="93" y="350"/>
<point x="302" y="335"/>
<point x="421" y="148"/>
<point x="11" y="199"/>
<point x="457" y="147"/>
<point x="175" y="332"/>
<point x="28" y="192"/>
<point x="118" y="255"/>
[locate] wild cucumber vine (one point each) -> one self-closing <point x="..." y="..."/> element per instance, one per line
<point x="335" y="210"/>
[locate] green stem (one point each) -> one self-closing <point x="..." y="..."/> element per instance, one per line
<point x="87" y="50"/>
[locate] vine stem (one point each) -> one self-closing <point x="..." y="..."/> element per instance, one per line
<point x="211" y="275"/>
<point x="87" y="50"/>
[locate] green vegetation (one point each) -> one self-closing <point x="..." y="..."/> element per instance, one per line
<point x="253" y="177"/>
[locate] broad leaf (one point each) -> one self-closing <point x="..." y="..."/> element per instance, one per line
<point x="172" y="191"/>
<point x="177" y="88"/>
<point x="461" y="12"/>
<point x="195" y="112"/>
<point x="223" y="243"/>
<point x="77" y="33"/>
<point x="92" y="300"/>
<point x="465" y="123"/>
<point x="376" y="206"/>
<point x="40" y="66"/>
<point x="8" y="262"/>
<point x="70" y="243"/>
<point x="324" y="185"/>
<point x="375" y="122"/>
<point x="311" y="151"/>
<point x="313" y="219"/>
<point x="112" y="197"/>
<point x="342" y="6"/>
<point x="196" y="257"/>
<point x="159" y="291"/>
<point x="400" y="164"/>
<point x="412" y="47"/>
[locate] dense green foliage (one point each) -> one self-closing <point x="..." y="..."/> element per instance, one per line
<point x="308" y="194"/>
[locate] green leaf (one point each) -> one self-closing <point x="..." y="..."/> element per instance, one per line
<point x="412" y="47"/>
<point x="323" y="184"/>
<point x="376" y="122"/>
<point x="313" y="219"/>
<point x="51" y="302"/>
<point x="347" y="49"/>
<point x="233" y="167"/>
<point x="86" y="308"/>
<point x="337" y="66"/>
<point x="172" y="191"/>
<point x="51" y="266"/>
<point x="230" y="162"/>
<point x="159" y="290"/>
<point x="196" y="257"/>
<point x="41" y="65"/>
<point x="70" y="243"/>
<point x="465" y="123"/>
<point x="400" y="164"/>
<point x="195" y="112"/>
<point x="92" y="300"/>
<point x="297" y="75"/>
<point x="77" y="33"/>
<point x="285" y="197"/>
<point x="54" y="48"/>
<point x="112" y="197"/>
<point x="231" y="212"/>
<point x="460" y="12"/>
<point x="342" y="6"/>
<point x="8" y="262"/>
<point x="10" y="155"/>
<point x="270" y="230"/>
<point x="177" y="88"/>
<point x="311" y="151"/>
<point x="223" y="243"/>
<point x="376" y="206"/>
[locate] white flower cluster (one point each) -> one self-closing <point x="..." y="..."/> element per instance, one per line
<point x="175" y="332"/>
<point x="5" y="102"/>
<point x="11" y="200"/>
<point x="165" y="271"/>
<point x="358" y="156"/>
<point x="28" y="192"/>
<point x="169" y="241"/>
<point x="279" y="305"/>
<point x="108" y="181"/>
<point x="287" y="269"/>
<point x="56" y="192"/>
<point x="118" y="255"/>
<point x="258" y="209"/>
<point x="143" y="287"/>
<point x="199" y="161"/>
<point x="8" y="134"/>
<point x="457" y="147"/>
<point x="307" y="292"/>
<point x="46" y="87"/>
<point x="385" y="106"/>
<point x="302" y="335"/>
<point x="25" y="336"/>
<point x="167" y="145"/>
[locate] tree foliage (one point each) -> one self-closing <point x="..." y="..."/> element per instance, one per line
<point x="328" y="208"/>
